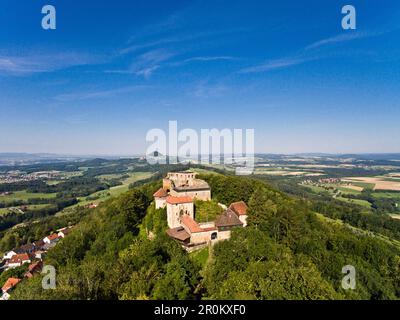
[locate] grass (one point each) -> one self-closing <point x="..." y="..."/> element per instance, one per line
<point x="348" y="190"/>
<point x="363" y="203"/>
<point x="206" y="211"/>
<point x="114" y="191"/>
<point x="364" y="185"/>
<point x="200" y="257"/>
<point x="24" y="196"/>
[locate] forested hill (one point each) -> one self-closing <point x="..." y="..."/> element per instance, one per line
<point x="287" y="252"/>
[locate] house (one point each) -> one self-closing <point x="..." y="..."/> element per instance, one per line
<point x="160" y="197"/>
<point x="64" y="232"/>
<point x="38" y="244"/>
<point x="226" y="222"/>
<point x="53" y="238"/>
<point x="33" y="268"/>
<point x="10" y="284"/>
<point x="18" y="260"/>
<point x="240" y="208"/>
<point x="27" y="248"/>
<point x="9" y="254"/>
<point x="39" y="254"/>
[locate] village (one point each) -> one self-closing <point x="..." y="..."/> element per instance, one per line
<point x="32" y="254"/>
<point x="177" y="194"/>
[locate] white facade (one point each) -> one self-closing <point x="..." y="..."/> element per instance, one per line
<point x="175" y="211"/>
<point x="9" y="255"/>
<point x="160" y="203"/>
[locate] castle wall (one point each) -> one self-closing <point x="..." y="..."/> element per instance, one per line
<point x="204" y="195"/>
<point x="174" y="212"/>
<point x="201" y="237"/>
<point x="160" y="203"/>
<point x="224" y="235"/>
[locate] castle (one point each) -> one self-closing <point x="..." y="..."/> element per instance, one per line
<point x="178" y="193"/>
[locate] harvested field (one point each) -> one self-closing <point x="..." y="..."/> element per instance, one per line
<point x="379" y="182"/>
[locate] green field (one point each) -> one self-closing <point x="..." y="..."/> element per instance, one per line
<point x="348" y="190"/>
<point x="114" y="191"/>
<point x="363" y="203"/>
<point x="24" y="196"/>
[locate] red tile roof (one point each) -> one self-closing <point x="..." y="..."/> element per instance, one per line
<point x="160" y="193"/>
<point x="240" y="208"/>
<point x="19" y="258"/>
<point x="10" y="283"/>
<point x="193" y="226"/>
<point x="178" y="200"/>
<point x="53" y="236"/>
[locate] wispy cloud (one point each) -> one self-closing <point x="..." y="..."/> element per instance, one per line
<point x="97" y="94"/>
<point x="147" y="63"/>
<point x="309" y="53"/>
<point x="40" y="63"/>
<point x="275" y="64"/>
<point x="345" y="37"/>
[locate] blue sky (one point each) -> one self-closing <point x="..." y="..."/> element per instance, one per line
<point x="112" y="70"/>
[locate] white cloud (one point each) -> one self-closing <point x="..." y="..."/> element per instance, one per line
<point x="39" y="63"/>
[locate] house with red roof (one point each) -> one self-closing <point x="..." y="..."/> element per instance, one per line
<point x="160" y="197"/>
<point x="240" y="208"/>
<point x="18" y="260"/>
<point x="10" y="284"/>
<point x="53" y="238"/>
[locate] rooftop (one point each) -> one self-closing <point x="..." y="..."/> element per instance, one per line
<point x="228" y="219"/>
<point x="10" y="283"/>
<point x="178" y="233"/>
<point x="193" y="226"/>
<point x="240" y="208"/>
<point x="160" y="193"/>
<point x="178" y="200"/>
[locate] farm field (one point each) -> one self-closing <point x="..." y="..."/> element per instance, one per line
<point x="103" y="195"/>
<point x="24" y="196"/>
<point x="380" y="183"/>
<point x="286" y="172"/>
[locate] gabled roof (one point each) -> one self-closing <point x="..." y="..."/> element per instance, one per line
<point x="228" y="219"/>
<point x="178" y="233"/>
<point x="160" y="193"/>
<point x="240" y="208"/>
<point x="53" y="236"/>
<point x="192" y="225"/>
<point x="19" y="258"/>
<point x="178" y="200"/>
<point x="10" y="283"/>
<point x="26" y="248"/>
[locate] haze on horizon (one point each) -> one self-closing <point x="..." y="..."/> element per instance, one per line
<point x="111" y="72"/>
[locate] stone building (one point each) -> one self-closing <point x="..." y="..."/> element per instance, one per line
<point x="177" y="195"/>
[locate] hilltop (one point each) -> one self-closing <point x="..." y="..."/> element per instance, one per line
<point x="287" y="251"/>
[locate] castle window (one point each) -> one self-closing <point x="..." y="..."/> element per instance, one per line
<point x="214" y="236"/>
